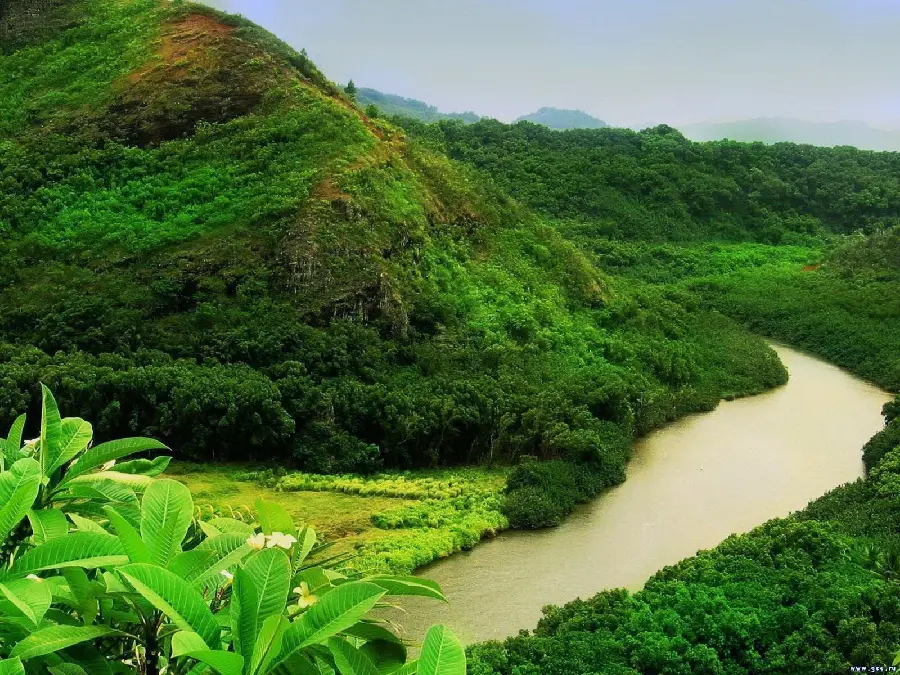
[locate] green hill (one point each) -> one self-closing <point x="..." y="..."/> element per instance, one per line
<point x="206" y="242"/>
<point x="390" y="105"/>
<point x="657" y="185"/>
<point x="557" y="118"/>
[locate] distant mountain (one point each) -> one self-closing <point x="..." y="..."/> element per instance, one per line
<point x="556" y="118"/>
<point x="777" y="129"/>
<point x="389" y="104"/>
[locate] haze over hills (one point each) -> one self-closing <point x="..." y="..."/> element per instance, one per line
<point x="779" y="129"/>
<point x="561" y="119"/>
<point x="391" y="104"/>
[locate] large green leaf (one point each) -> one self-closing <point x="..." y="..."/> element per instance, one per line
<point x="406" y="585"/>
<point x="134" y="546"/>
<point x="47" y="524"/>
<point x="442" y="653"/>
<point x="78" y="549"/>
<point x="270" y="572"/>
<point x="83" y="524"/>
<point x="274" y="518"/>
<point x="67" y="669"/>
<point x="147" y="467"/>
<point x="166" y="512"/>
<point x="336" y="610"/>
<point x="387" y="655"/>
<point x="268" y="643"/>
<point x="101" y="489"/>
<point x="191" y="645"/>
<point x="136" y="482"/>
<point x="232" y="526"/>
<point x="189" y="564"/>
<point x="175" y="598"/>
<point x="31" y="597"/>
<point x="350" y="660"/>
<point x="12" y="447"/>
<point x="12" y="667"/>
<point x="83" y="592"/>
<point x="75" y="435"/>
<point x="19" y="488"/>
<point x="228" y="550"/>
<point x="244" y="604"/>
<point x="57" y="638"/>
<point x="106" y="452"/>
<point x="306" y="539"/>
<point x="51" y="431"/>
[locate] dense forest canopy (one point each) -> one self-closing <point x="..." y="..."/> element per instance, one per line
<point x="207" y="242"/>
<point x="234" y="258"/>
<point x="657" y="185"/>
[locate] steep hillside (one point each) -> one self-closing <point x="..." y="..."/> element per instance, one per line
<point x="390" y="105"/>
<point x="657" y="185"/>
<point x="557" y="118"/>
<point x="206" y="242"/>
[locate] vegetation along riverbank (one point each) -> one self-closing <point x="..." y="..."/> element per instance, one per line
<point x="428" y="332"/>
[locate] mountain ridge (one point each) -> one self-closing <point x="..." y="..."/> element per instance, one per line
<point x="780" y="130"/>
<point x="562" y="119"/>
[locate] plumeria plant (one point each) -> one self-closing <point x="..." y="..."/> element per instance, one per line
<point x="106" y="570"/>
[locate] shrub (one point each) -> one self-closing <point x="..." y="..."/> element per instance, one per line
<point x="880" y="444"/>
<point x="541" y="494"/>
<point x="531" y="508"/>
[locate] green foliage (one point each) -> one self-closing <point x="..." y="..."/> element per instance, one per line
<point x="392" y="106"/>
<point x="142" y="586"/>
<point x="223" y="252"/>
<point x="541" y="494"/>
<point x="814" y="592"/>
<point x="657" y="185"/>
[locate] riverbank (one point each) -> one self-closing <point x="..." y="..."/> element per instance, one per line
<point x="392" y="522"/>
<point x="690" y="485"/>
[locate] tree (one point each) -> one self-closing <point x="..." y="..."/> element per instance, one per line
<point x="372" y="111"/>
<point x="350" y="89"/>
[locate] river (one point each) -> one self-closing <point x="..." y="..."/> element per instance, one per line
<point x="689" y="486"/>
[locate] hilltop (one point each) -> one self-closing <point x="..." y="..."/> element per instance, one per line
<point x="222" y="251"/>
<point x="557" y="118"/>
<point x="390" y="104"/>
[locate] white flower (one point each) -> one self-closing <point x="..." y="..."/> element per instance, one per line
<point x="257" y="541"/>
<point x="34" y="577"/>
<point x="280" y="540"/>
<point x="305" y="598"/>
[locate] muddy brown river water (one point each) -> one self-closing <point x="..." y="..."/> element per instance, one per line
<point x="689" y="486"/>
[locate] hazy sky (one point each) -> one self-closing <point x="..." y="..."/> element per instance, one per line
<point x="629" y="62"/>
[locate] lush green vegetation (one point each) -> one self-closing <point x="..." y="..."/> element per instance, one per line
<point x="105" y="569"/>
<point x="222" y="251"/>
<point x="817" y="592"/>
<point x="387" y="523"/>
<point x="655" y="185"/>
<point x="207" y="242"/>
<point x="391" y="105"/>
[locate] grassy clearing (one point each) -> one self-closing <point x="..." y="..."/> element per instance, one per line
<point x="391" y="522"/>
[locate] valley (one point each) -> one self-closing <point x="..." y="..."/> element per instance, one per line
<point x="530" y="365"/>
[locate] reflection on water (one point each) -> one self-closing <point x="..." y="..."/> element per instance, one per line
<point x="689" y="486"/>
